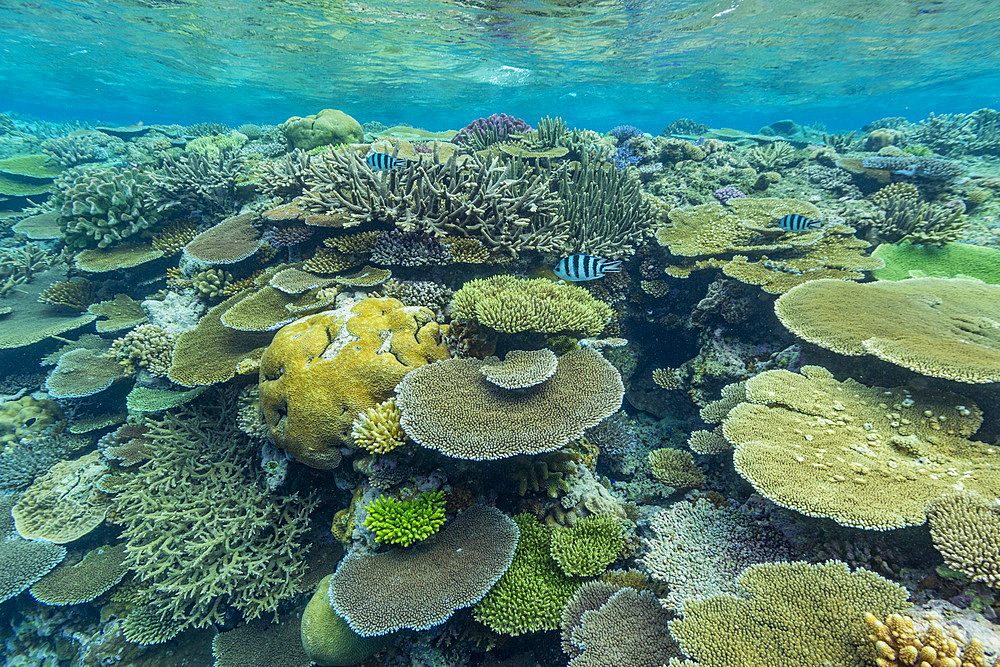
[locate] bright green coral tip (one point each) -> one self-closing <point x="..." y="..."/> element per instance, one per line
<point x="405" y="522"/>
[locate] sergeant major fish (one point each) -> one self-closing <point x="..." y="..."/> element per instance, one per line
<point x="384" y="161"/>
<point x="585" y="267"/>
<point x="793" y="222"/>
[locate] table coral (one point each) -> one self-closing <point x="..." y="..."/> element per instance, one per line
<point x="230" y="241"/>
<point x="520" y="369"/>
<point x="952" y="260"/>
<point x="422" y="586"/>
<point x="869" y="457"/>
<point x="83" y="372"/>
<point x="450" y="406"/>
<point x="323" y="370"/>
<point x="788" y="615"/>
<point x="408" y="521"/>
<point x="514" y="305"/>
<point x="965" y="528"/>
<point x="57" y="507"/>
<point x="22" y="562"/>
<point x="530" y="596"/>
<point x="96" y="573"/>
<point x="934" y="326"/>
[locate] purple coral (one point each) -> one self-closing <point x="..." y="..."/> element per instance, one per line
<point x="727" y="193"/>
<point x="625" y="157"/>
<point x="622" y="133"/>
<point x="490" y="130"/>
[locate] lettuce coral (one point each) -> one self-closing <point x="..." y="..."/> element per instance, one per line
<point x="408" y="521"/>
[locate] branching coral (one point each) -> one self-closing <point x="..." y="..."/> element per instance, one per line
<point x="202" y="531"/>
<point x="908" y="220"/>
<point x="146" y="347"/>
<point x="965" y="528"/>
<point x="507" y="207"/>
<point x="900" y="641"/>
<point x="377" y="429"/>
<point x="513" y="305"/>
<point x="198" y="182"/>
<point x="587" y="547"/>
<point x="408" y="521"/>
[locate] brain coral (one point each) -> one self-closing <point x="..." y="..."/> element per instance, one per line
<point x="789" y="615"/>
<point x="513" y="305"/>
<point x="450" y="406"/>
<point x="934" y="326"/>
<point x="868" y="457"/>
<point x="422" y="586"/>
<point x="965" y="528"/>
<point x="327" y="126"/>
<point x="323" y="370"/>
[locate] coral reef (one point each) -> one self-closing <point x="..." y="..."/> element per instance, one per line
<point x="323" y="128"/>
<point x="408" y="521"/>
<point x="98" y="208"/>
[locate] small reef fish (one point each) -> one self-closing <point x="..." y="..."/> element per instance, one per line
<point x="793" y="222"/>
<point x="384" y="161"/>
<point x="585" y="267"/>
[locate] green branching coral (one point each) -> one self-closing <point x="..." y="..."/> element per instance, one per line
<point x="513" y="305"/>
<point x="530" y="596"/>
<point x="99" y="208"/>
<point x="587" y="547"/>
<point x="408" y="521"/>
<point x="202" y="531"/>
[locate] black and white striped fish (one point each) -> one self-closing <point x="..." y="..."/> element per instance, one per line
<point x="793" y="222"/>
<point x="384" y="161"/>
<point x="585" y="267"/>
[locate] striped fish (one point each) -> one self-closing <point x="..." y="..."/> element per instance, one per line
<point x="585" y="267"/>
<point x="384" y="161"/>
<point x="793" y="222"/>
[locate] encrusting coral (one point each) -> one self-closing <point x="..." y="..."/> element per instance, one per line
<point x="512" y="305"/>
<point x="408" y="521"/>
<point x="323" y="370"/>
<point x="868" y="457"/>
<point x="450" y="406"/>
<point x="788" y="615"/>
<point x="935" y="326"/>
<point x="423" y="585"/>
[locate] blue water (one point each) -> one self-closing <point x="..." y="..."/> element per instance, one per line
<point x="740" y="63"/>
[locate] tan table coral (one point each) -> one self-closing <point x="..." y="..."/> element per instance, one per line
<point x="867" y="457"/>
<point x="946" y="328"/>
<point x="321" y="371"/>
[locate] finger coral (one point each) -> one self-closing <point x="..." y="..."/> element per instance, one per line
<point x="900" y="641"/>
<point x="965" y="528"/>
<point x="147" y="347"/>
<point x="939" y="327"/>
<point x="377" y="429"/>
<point x="408" y="521"/>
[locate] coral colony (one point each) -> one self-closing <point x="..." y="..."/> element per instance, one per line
<point x="348" y="394"/>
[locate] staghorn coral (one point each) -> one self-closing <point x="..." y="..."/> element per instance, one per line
<point x="868" y="457"/>
<point x="77" y="148"/>
<point x="56" y="507"/>
<point x="965" y="528"/>
<point x="630" y="628"/>
<point x="586" y="548"/>
<point x="98" y="208"/>
<point x="907" y="219"/>
<point x="285" y="177"/>
<point x="901" y="641"/>
<point x="199" y="182"/>
<point x="95" y="574"/>
<point x="377" y="428"/>
<point x="408" y="521"/>
<point x="422" y="586"/>
<point x="531" y="594"/>
<point x="321" y="371"/>
<point x="513" y="305"/>
<point x="451" y="407"/>
<point x="698" y="549"/>
<point x="508" y="207"/>
<point x="18" y="265"/>
<point x="72" y="294"/>
<point x="937" y="327"/>
<point x="147" y="347"/>
<point x="788" y="615"/>
<point x="202" y="531"/>
<point x="520" y="369"/>
<point x="675" y="467"/>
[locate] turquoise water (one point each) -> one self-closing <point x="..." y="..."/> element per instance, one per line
<point x="500" y="334"/>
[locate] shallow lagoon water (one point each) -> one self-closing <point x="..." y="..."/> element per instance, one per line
<point x="538" y="333"/>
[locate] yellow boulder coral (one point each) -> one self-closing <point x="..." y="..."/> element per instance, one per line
<point x="321" y="371"/>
